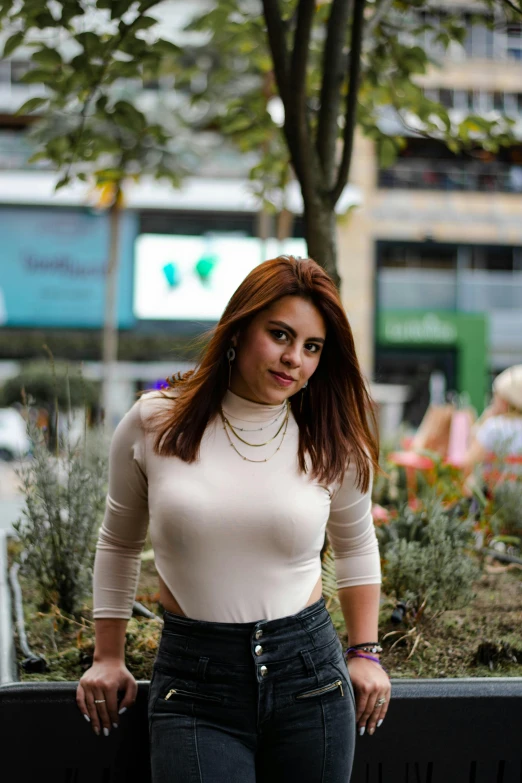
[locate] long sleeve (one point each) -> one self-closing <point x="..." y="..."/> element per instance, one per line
<point x="122" y="534"/>
<point x="352" y="535"/>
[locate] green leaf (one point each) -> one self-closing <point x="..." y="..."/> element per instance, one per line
<point x="91" y="43"/>
<point x="47" y="57"/>
<point x="13" y="43"/>
<point x="62" y="182"/>
<point x="128" y="114"/>
<point x="38" y="156"/>
<point x="144" y="23"/>
<point x="387" y="152"/>
<point x="165" y="48"/>
<point x="45" y="19"/>
<point x="31" y="105"/>
<point x="38" y="76"/>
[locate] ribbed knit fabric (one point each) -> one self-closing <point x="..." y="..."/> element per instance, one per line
<point x="234" y="541"/>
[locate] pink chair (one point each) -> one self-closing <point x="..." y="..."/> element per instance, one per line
<point x="459" y="435"/>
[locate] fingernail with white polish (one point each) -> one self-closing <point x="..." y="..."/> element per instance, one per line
<point x="115" y="725"/>
<point x="123" y="709"/>
<point x="106" y="731"/>
<point x="379" y="722"/>
<point x="362" y="730"/>
<point x="86" y="718"/>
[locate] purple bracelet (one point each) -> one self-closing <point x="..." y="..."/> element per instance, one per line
<point x="370" y="658"/>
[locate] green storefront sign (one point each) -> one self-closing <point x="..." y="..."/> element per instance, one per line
<point x="466" y="332"/>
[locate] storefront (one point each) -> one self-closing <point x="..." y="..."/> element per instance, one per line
<point x="412" y="345"/>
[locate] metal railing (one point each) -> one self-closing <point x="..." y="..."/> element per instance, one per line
<point x="424" y="175"/>
<point x="468" y="290"/>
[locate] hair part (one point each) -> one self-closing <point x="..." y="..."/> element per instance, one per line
<point x="337" y="423"/>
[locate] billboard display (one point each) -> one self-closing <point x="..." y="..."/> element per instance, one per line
<point x="53" y="264"/>
<point x="192" y="277"/>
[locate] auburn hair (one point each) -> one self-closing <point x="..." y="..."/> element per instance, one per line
<point x="337" y="421"/>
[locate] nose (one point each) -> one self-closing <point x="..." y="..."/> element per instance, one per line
<point x="292" y="357"/>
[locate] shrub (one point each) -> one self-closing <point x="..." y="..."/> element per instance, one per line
<point x="432" y="567"/>
<point x="506" y="517"/>
<point x="64" y="497"/>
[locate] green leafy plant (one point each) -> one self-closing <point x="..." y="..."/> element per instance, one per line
<point x="428" y="567"/>
<point x="64" y="498"/>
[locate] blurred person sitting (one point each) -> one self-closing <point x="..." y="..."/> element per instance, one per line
<point x="498" y="431"/>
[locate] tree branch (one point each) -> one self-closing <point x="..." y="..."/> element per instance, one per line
<point x="303" y="29"/>
<point x="351" y="100"/>
<point x="512" y="5"/>
<point x="333" y="75"/>
<point x="293" y="130"/>
<point x="278" y="47"/>
<point x="296" y="118"/>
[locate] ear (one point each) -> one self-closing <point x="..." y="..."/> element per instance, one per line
<point x="234" y="339"/>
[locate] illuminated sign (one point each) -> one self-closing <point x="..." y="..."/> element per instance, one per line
<point x="193" y="277"/>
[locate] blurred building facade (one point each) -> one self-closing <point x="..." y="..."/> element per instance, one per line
<point x="430" y="259"/>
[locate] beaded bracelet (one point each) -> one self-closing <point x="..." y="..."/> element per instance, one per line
<point x="370" y="658"/>
<point x="369" y="648"/>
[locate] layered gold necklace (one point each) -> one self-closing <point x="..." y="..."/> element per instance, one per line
<point x="229" y="428"/>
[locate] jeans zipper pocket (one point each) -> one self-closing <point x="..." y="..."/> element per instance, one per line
<point x="325" y="689"/>
<point x="192" y="694"/>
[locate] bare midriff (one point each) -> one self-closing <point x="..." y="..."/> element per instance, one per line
<point x="170" y="604"/>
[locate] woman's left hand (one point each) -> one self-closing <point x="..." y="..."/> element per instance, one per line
<point x="370" y="683"/>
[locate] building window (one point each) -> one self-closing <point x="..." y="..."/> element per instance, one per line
<point x="514" y="41"/>
<point x="429" y="165"/>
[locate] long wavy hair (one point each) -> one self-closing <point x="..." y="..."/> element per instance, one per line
<point x="337" y="420"/>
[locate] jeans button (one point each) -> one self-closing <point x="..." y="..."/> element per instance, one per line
<point x="259" y="634"/>
<point x="258" y="649"/>
<point x="263" y="670"/>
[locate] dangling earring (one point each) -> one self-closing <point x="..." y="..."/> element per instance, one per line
<point x="231" y="355"/>
<point x="302" y="395"/>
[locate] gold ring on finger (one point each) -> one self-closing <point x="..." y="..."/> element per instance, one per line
<point x="99" y="701"/>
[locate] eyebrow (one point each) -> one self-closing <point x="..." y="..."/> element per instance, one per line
<point x="294" y="333"/>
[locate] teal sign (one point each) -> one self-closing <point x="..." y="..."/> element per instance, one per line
<point x="53" y="266"/>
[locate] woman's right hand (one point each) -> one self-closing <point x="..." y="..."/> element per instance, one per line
<point x="101" y="683"/>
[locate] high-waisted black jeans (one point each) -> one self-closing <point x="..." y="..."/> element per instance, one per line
<point x="263" y="702"/>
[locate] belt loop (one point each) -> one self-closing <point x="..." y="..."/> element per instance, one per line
<point x="308" y="662"/>
<point x="202" y="667"/>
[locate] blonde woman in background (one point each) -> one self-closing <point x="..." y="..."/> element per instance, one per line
<point x="499" y="430"/>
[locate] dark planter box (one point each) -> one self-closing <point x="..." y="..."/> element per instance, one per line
<point x="436" y="731"/>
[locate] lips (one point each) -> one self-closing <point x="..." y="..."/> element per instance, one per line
<point x="282" y="378"/>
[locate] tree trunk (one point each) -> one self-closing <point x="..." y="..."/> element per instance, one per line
<point x="321" y="236"/>
<point x="110" y="324"/>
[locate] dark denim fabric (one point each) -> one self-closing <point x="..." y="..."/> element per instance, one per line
<point x="214" y="717"/>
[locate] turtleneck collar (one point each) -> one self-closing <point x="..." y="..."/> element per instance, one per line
<point x="246" y="410"/>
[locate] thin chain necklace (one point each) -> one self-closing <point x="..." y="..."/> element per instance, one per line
<point x="287" y="417"/>
<point x="257" y="429"/>
<point x="246" y="442"/>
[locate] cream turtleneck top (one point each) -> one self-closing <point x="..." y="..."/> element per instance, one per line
<point x="234" y="541"/>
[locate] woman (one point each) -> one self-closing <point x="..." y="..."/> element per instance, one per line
<point x="498" y="432"/>
<point x="241" y="466"/>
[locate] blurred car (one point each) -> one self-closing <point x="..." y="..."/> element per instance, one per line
<point x="14" y="441"/>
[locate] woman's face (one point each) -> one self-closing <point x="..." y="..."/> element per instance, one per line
<point x="278" y="351"/>
<point x="499" y="405"/>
